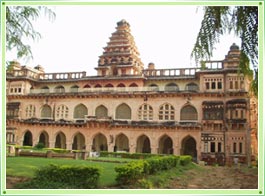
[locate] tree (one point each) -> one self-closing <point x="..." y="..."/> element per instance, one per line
<point x="217" y="21"/>
<point x="19" y="26"/>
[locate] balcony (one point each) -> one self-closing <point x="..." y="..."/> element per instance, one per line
<point x="106" y="90"/>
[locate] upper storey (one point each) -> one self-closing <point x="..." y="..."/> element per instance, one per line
<point x="121" y="56"/>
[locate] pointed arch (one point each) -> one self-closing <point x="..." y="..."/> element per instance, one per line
<point x="45" y="89"/>
<point x="143" y="144"/>
<point x="123" y="111"/>
<point x="101" y="112"/>
<point x="121" y="143"/>
<point x="188" y="147"/>
<point x="165" y="145"/>
<point x="192" y="87"/>
<point x="133" y="85"/>
<point x="145" y="112"/>
<point x="59" y="89"/>
<point x="171" y="87"/>
<point x="78" y="141"/>
<point x="166" y="112"/>
<point x="46" y="112"/>
<point x="109" y="85"/>
<point x="80" y="111"/>
<point x="97" y="86"/>
<point x="62" y="112"/>
<point x="188" y="113"/>
<point x="60" y="140"/>
<point x="74" y="88"/>
<point x="87" y="86"/>
<point x="44" y="138"/>
<point x="121" y="85"/>
<point x="27" y="138"/>
<point x="100" y="143"/>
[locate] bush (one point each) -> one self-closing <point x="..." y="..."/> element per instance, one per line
<point x="39" y="146"/>
<point x="136" y="170"/>
<point x="185" y="160"/>
<point x="128" y="155"/>
<point x="130" y="172"/>
<point x="58" y="150"/>
<point x="64" y="177"/>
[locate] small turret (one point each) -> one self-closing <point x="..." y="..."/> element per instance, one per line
<point x="233" y="57"/>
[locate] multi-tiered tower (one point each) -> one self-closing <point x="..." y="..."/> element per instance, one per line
<point x="120" y="56"/>
<point x="202" y="112"/>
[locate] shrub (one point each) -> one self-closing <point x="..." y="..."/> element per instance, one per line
<point x="185" y="160"/>
<point x="64" y="177"/>
<point x="130" y="172"/>
<point x="58" y="150"/>
<point x="39" y="146"/>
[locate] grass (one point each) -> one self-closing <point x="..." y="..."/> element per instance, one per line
<point x="26" y="166"/>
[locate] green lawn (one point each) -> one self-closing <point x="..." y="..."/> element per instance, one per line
<point x="25" y="166"/>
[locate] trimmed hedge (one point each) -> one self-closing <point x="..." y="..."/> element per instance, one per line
<point x="185" y="160"/>
<point x="128" y="155"/>
<point x="58" y="150"/>
<point x="64" y="177"/>
<point x="136" y="170"/>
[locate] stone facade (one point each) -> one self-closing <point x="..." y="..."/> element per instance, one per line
<point x="203" y="112"/>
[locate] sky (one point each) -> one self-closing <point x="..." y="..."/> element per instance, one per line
<point x="164" y="35"/>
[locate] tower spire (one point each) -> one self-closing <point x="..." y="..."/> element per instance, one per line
<point x="120" y="56"/>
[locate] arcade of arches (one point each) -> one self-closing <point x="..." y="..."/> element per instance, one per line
<point x="144" y="143"/>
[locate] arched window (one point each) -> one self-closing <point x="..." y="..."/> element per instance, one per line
<point x="188" y="113"/>
<point x="192" y="87"/>
<point x="30" y="111"/>
<point x="80" y="111"/>
<point x="154" y="87"/>
<point x="123" y="111"/>
<point x="62" y="112"/>
<point x="171" y="87"/>
<point x="101" y="112"/>
<point x="145" y="112"/>
<point x="59" y="89"/>
<point x="98" y="86"/>
<point x="121" y="85"/>
<point x="74" y="88"/>
<point x="133" y="85"/>
<point x="46" y="112"/>
<point x="109" y="85"/>
<point x="45" y="89"/>
<point x="87" y="86"/>
<point x="166" y="112"/>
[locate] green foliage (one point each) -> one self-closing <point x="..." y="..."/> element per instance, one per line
<point x="19" y="27"/>
<point x="128" y="155"/>
<point x="39" y="146"/>
<point x="64" y="177"/>
<point x="130" y="172"/>
<point x="185" y="160"/>
<point x="136" y="170"/>
<point x="58" y="150"/>
<point x="218" y="20"/>
<point x="144" y="184"/>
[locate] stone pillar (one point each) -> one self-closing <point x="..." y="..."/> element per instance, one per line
<point x="84" y="155"/>
<point x="69" y="145"/>
<point x="176" y="151"/>
<point x="52" y="144"/>
<point x="154" y="150"/>
<point x="17" y="152"/>
<point x="111" y="147"/>
<point x="132" y="149"/>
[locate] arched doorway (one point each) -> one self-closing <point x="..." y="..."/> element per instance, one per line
<point x="121" y="143"/>
<point x="44" y="139"/>
<point x="165" y="145"/>
<point x="189" y="147"/>
<point x="60" y="141"/>
<point x="143" y="144"/>
<point x="27" y="139"/>
<point x="78" y="142"/>
<point x="100" y="143"/>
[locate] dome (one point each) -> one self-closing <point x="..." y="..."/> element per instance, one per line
<point x="234" y="47"/>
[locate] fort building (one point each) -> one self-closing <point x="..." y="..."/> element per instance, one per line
<point x="127" y="107"/>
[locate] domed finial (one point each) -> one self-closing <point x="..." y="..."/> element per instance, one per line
<point x="123" y="22"/>
<point x="234" y="47"/>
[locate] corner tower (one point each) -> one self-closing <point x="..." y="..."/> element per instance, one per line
<point x="120" y="57"/>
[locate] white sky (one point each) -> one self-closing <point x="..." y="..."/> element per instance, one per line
<point x="164" y="35"/>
